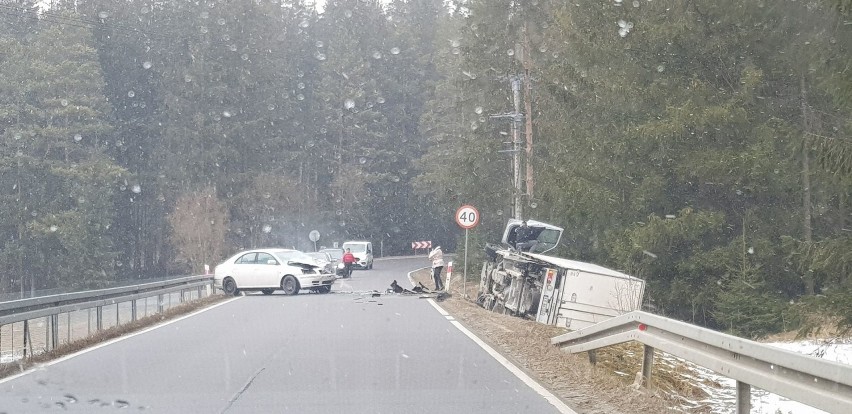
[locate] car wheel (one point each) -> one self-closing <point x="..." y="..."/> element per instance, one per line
<point x="267" y="291"/>
<point x="230" y="287"/>
<point x="290" y="285"/>
<point x="324" y="289"/>
<point x="371" y="266"/>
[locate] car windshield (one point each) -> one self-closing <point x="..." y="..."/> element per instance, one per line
<point x="319" y="255"/>
<point x="701" y="147"/>
<point x="293" y="256"/>
<point x="356" y="247"/>
<point x="336" y="254"/>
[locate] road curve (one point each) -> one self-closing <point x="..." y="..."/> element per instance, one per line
<point x="345" y="352"/>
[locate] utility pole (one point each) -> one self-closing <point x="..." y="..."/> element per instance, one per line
<point x="516" y="118"/>
<point x="516" y="147"/>
<point x="527" y="62"/>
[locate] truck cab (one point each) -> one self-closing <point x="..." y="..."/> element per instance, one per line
<point x="544" y="237"/>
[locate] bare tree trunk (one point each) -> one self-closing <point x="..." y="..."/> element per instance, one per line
<point x="806" y="183"/>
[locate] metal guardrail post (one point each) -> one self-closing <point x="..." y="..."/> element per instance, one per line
<point x="160" y="303"/>
<point x="133" y="310"/>
<point x="26" y="336"/>
<point x="47" y="321"/>
<point x="647" y="364"/>
<point x="743" y="398"/>
<point x="54" y="330"/>
<point x="99" y="318"/>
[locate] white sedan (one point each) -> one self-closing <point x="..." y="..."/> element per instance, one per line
<point x="268" y="270"/>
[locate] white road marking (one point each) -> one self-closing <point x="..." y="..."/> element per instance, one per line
<point x="112" y="341"/>
<point x="552" y="399"/>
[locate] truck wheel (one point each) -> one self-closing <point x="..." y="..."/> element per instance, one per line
<point x="290" y="285"/>
<point x="230" y="287"/>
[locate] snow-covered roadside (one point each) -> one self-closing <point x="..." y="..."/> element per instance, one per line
<point x="722" y="390"/>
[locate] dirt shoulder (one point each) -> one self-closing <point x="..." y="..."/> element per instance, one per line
<point x="586" y="388"/>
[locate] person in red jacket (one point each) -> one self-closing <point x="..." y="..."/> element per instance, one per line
<point x="348" y="260"/>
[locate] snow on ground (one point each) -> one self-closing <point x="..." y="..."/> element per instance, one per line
<point x="722" y="390"/>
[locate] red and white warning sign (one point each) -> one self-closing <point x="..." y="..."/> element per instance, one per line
<point x="421" y="245"/>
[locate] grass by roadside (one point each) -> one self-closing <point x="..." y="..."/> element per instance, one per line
<point x="588" y="389"/>
<point x="22" y="365"/>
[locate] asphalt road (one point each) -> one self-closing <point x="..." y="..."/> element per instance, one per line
<point x="345" y="352"/>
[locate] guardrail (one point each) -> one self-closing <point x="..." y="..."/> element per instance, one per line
<point x="17" y="314"/>
<point x="825" y="385"/>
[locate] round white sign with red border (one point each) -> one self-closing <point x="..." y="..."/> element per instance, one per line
<point x="467" y="217"/>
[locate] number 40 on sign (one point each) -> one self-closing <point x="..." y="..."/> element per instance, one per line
<point x="467" y="217"/>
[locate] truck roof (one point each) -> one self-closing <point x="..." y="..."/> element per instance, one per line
<point x="581" y="266"/>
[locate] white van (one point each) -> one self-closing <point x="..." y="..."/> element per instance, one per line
<point x="363" y="251"/>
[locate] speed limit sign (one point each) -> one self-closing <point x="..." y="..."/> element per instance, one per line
<point x="467" y="217"/>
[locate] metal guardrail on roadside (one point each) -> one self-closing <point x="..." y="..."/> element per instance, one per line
<point x="12" y="313"/>
<point x="823" y="384"/>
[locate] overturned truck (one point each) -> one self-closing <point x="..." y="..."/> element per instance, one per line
<point x="552" y="290"/>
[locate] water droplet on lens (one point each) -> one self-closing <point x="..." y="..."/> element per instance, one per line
<point x="362" y="160"/>
<point x="456" y="51"/>
<point x="661" y="68"/>
<point x="478" y="110"/>
<point x="319" y="43"/>
<point x="499" y="212"/>
<point x="203" y="29"/>
<point x="533" y="204"/>
<point x="394" y="50"/>
<point x="226" y="114"/>
<point x="304" y="23"/>
<point x="146" y="64"/>
<point x="300" y="97"/>
<point x="131" y="94"/>
<point x="635" y="3"/>
<point x="103" y="15"/>
<point x="187" y="78"/>
<point x="380" y="100"/>
<point x="221" y="21"/>
<point x="245" y="56"/>
<point x="78" y="137"/>
<point x="349" y="104"/>
<point x="232" y="48"/>
<point x="271" y="107"/>
<point x="751" y="250"/>
<point x="319" y="56"/>
<point x="53" y="228"/>
<point x="136" y="188"/>
<point x="63" y="102"/>
<point x="510" y="52"/>
<point x="377" y="55"/>
<point x="267" y="228"/>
